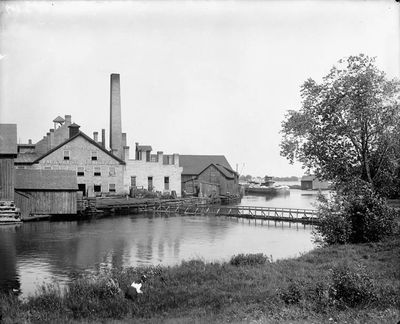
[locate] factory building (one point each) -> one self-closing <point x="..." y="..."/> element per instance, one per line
<point x="154" y="172"/>
<point x="99" y="170"/>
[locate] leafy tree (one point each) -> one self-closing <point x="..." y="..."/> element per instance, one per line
<point x="348" y="126"/>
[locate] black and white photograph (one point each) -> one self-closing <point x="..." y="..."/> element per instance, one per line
<point x="200" y="161"/>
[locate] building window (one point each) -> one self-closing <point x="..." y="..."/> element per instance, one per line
<point x="133" y="181"/>
<point x="66" y="155"/>
<point x="97" y="171"/>
<point x="111" y="187"/>
<point x="166" y="183"/>
<point x="47" y="167"/>
<point x="147" y="156"/>
<point x="80" y="172"/>
<point x="150" y="183"/>
<point x="94" y="156"/>
<point x="111" y="171"/>
<point x="97" y="188"/>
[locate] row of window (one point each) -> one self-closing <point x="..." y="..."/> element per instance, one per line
<point x="96" y="188"/>
<point x="67" y="155"/>
<point x="150" y="183"/>
<point x="96" y="171"/>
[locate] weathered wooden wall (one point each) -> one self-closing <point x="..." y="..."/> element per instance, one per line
<point x="46" y="202"/>
<point x="213" y="175"/>
<point x="7" y="178"/>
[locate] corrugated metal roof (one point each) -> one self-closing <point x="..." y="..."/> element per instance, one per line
<point x="31" y="179"/>
<point x="8" y="139"/>
<point x="195" y="164"/>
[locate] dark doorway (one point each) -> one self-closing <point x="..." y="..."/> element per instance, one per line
<point x="82" y="187"/>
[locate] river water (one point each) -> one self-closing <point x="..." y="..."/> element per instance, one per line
<point x="43" y="251"/>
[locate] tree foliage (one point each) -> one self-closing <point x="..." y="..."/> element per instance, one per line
<point x="358" y="215"/>
<point x="348" y="126"/>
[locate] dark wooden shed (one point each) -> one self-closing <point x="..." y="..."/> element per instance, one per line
<point x="208" y="174"/>
<point x="46" y="192"/>
<point x="8" y="151"/>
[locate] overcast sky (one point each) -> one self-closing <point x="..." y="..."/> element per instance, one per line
<point x="212" y="77"/>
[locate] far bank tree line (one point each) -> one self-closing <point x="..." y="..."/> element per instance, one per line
<point x="347" y="131"/>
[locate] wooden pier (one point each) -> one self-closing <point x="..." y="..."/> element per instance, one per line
<point x="197" y="206"/>
<point x="293" y="215"/>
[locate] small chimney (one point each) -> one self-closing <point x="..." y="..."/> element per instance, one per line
<point x="51" y="138"/>
<point x="29" y="141"/>
<point x="103" y="137"/>
<point x="123" y="139"/>
<point x="126" y="153"/>
<point x="73" y="130"/>
<point x="68" y="120"/>
<point x="160" y="157"/>
<point x="136" y="151"/>
<point x="96" y="136"/>
<point x="176" y="159"/>
<point x="48" y="141"/>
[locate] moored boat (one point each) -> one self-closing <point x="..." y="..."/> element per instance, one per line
<point x="9" y="213"/>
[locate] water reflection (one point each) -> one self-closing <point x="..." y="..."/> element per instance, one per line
<point x="295" y="198"/>
<point x="38" y="252"/>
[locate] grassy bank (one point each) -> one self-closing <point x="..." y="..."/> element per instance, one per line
<point x="349" y="283"/>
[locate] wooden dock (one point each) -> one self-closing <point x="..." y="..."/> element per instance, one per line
<point x="293" y="215"/>
<point x="197" y="206"/>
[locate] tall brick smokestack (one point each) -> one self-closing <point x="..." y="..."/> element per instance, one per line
<point x="115" y="116"/>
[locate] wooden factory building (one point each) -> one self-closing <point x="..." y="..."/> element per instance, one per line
<point x="207" y="175"/>
<point x="8" y="151"/>
<point x="45" y="192"/>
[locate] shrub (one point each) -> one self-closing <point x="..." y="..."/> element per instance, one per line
<point x="352" y="286"/>
<point x="292" y="294"/>
<point x="96" y="297"/>
<point x="355" y="215"/>
<point x="249" y="259"/>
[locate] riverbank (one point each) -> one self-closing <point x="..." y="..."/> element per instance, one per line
<point x="352" y="283"/>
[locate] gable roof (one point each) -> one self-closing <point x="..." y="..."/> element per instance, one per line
<point x="59" y="119"/>
<point x="230" y="174"/>
<point x="31" y="179"/>
<point x="71" y="139"/>
<point x="8" y="139"/>
<point x="195" y="164"/>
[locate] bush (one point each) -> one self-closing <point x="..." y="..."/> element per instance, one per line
<point x="352" y="287"/>
<point x="95" y="297"/>
<point x="292" y="294"/>
<point x="249" y="259"/>
<point x="358" y="215"/>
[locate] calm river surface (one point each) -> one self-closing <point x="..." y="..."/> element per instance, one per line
<point x="37" y="252"/>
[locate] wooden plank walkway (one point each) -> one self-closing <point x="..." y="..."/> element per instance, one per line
<point x="295" y="215"/>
